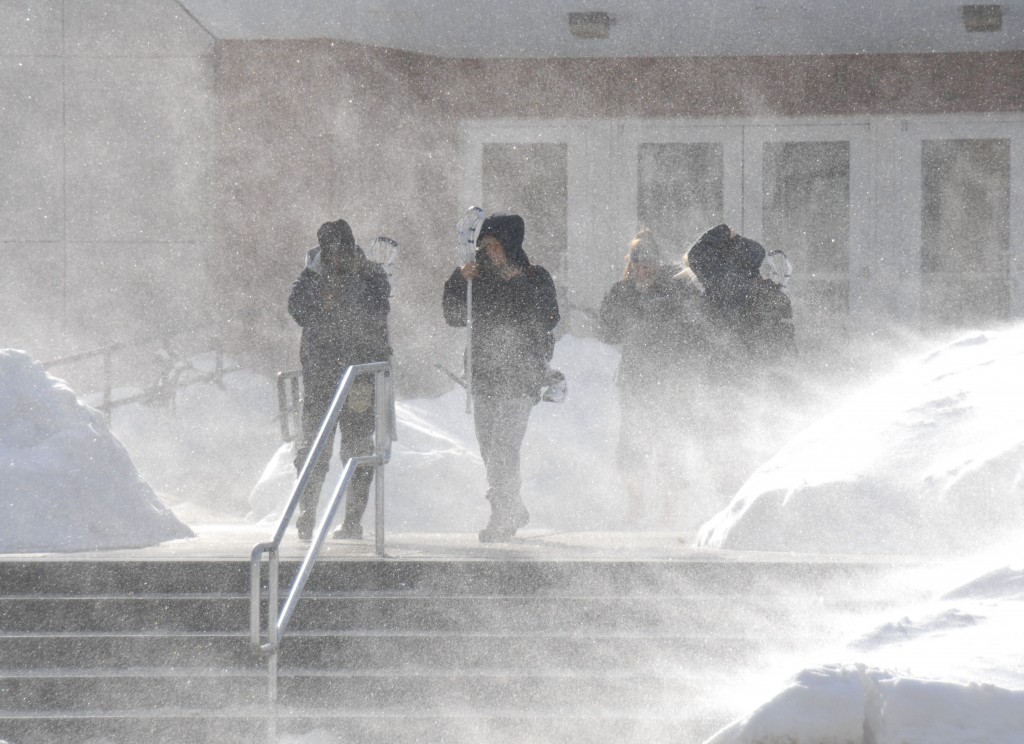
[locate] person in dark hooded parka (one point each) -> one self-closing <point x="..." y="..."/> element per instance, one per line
<point x="515" y="310"/>
<point x="341" y="301"/>
<point x="753" y="317"/>
<point x="752" y="335"/>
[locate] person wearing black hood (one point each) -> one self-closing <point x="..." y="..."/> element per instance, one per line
<point x="752" y="316"/>
<point x="515" y="310"/>
<point x="341" y="301"/>
<point x="752" y="334"/>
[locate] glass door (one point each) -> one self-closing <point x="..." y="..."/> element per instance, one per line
<point x="966" y="236"/>
<point x="685" y="179"/>
<point x="806" y="193"/>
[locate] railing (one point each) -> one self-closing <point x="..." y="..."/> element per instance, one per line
<point x="288" y="398"/>
<point x="173" y="375"/>
<point x="107" y="352"/>
<point x="277" y="618"/>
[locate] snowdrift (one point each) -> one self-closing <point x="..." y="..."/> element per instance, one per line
<point x="928" y="461"/>
<point x="67" y="484"/>
<point x="965" y="682"/>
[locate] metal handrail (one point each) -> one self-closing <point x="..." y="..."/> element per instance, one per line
<point x="287" y="408"/>
<point x="107" y="352"/>
<point x="279" y="617"/>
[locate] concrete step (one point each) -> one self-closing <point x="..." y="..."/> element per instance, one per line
<point x="419" y="692"/>
<point x="403" y="651"/>
<point x="396" y="727"/>
<point x="370" y="650"/>
<point x="719" y="576"/>
<point x="710" y="613"/>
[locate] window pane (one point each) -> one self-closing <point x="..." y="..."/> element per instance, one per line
<point x="531" y="180"/>
<point x="680" y="194"/>
<point x="806" y="213"/>
<point x="965" y="232"/>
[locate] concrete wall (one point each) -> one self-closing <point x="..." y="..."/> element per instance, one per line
<point x="106" y="115"/>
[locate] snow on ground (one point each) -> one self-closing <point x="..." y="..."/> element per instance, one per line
<point x="924" y="461"/>
<point x="950" y="671"/>
<point x="66" y="484"/>
<point x="929" y="460"/>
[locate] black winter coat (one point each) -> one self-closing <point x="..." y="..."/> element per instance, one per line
<point x="662" y="330"/>
<point x="344" y="319"/>
<point x="513" y="321"/>
<point x="768" y="328"/>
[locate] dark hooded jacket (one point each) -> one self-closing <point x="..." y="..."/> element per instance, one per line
<point x="513" y="320"/>
<point x="661" y="330"/>
<point x="344" y="318"/>
<point x="751" y="317"/>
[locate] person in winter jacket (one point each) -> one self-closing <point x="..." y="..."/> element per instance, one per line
<point x="751" y="335"/>
<point x="341" y="301"/>
<point x="515" y="310"/>
<point x="657" y="319"/>
<point x="753" y="317"/>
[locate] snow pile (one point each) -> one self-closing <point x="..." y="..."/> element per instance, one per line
<point x="203" y="447"/>
<point x="961" y="679"/>
<point x="67" y="484"/>
<point x="436" y="482"/>
<point x="927" y="461"/>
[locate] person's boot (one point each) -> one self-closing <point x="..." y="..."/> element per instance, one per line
<point x="498" y="530"/>
<point x="355" y="505"/>
<point x="520" y="516"/>
<point x="305" y="523"/>
<point x="505" y="519"/>
<point x="308" y="503"/>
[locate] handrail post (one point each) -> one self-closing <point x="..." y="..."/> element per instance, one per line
<point x="278" y="617"/>
<point x="282" y="407"/>
<point x="108" y="396"/>
<point x="382" y="434"/>
<point x="296" y="404"/>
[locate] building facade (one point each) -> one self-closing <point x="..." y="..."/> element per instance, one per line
<point x="164" y="179"/>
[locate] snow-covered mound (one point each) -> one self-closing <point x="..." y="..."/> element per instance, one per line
<point x="960" y="679"/>
<point x="202" y="449"/>
<point x="929" y="460"/>
<point x="67" y="484"/>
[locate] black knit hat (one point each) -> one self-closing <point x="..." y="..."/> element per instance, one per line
<point x="336" y="235"/>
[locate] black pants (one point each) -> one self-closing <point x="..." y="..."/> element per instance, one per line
<point x="356" y="426"/>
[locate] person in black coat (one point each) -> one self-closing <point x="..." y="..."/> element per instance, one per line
<point x="515" y="310"/>
<point x="341" y="301"/>
<point x="753" y="317"/>
<point x="658" y="322"/>
<point x="752" y="339"/>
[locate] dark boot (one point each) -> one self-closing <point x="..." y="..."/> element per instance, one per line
<point x="497" y="531"/>
<point x="306" y="521"/>
<point x="507" y="515"/>
<point x="355" y="505"/>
